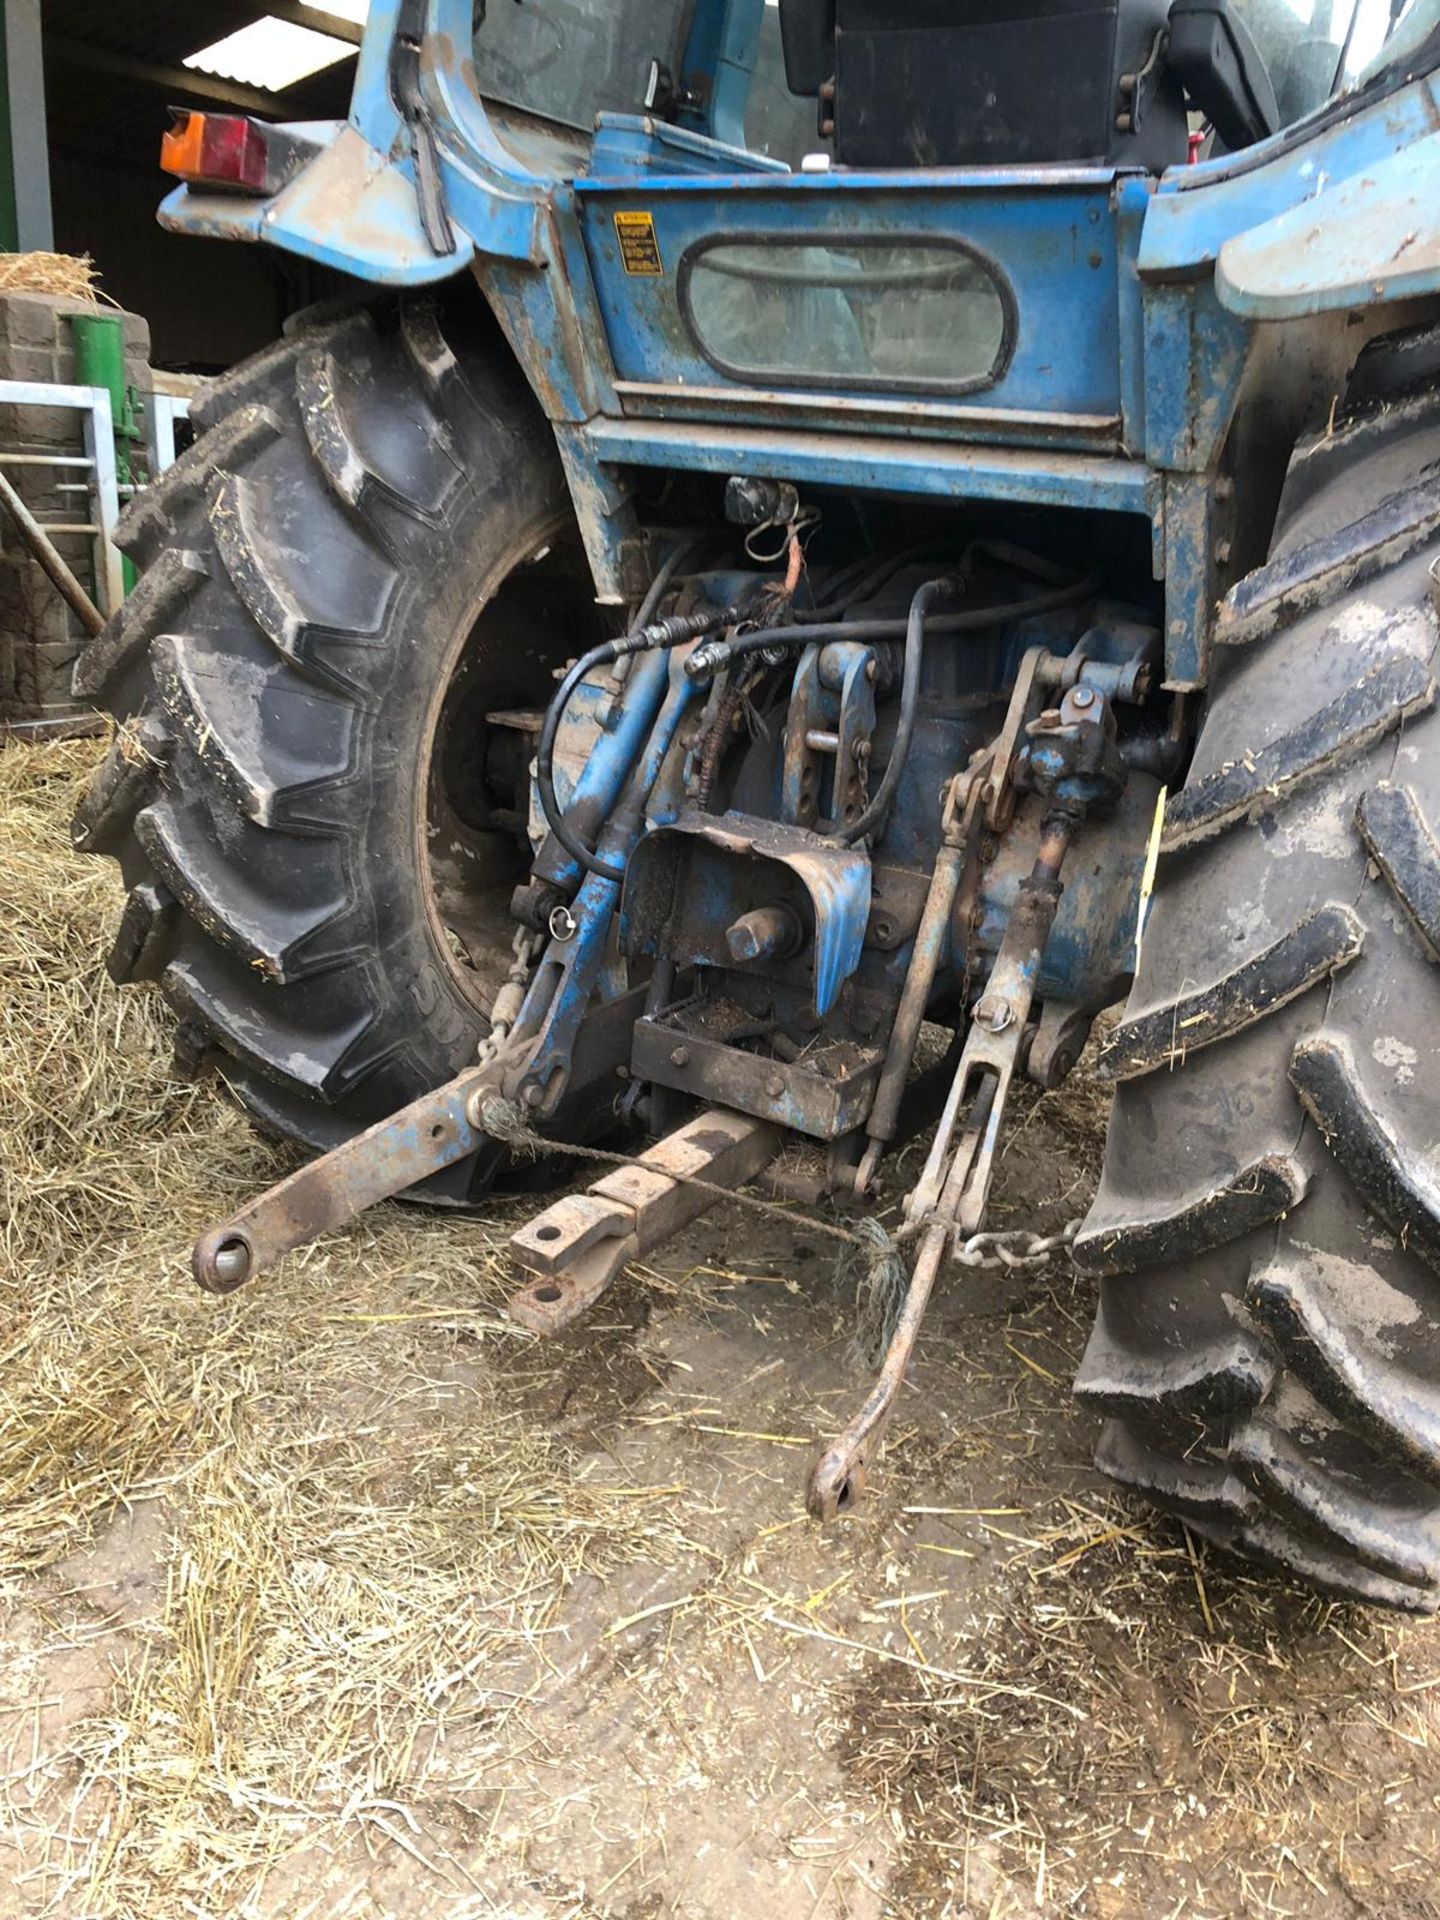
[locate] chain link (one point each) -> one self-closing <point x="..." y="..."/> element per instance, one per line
<point x="505" y="1010"/>
<point x="1015" y="1248"/>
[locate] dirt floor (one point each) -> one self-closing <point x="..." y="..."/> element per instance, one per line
<point x="346" y="1597"/>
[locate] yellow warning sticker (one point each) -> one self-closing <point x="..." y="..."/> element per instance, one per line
<point x="639" y="249"/>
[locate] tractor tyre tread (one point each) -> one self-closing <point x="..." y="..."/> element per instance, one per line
<point x="351" y="497"/>
<point x="1267" y="1227"/>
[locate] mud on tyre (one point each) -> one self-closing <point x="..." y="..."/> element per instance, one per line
<point x="1267" y="1349"/>
<point x="366" y="554"/>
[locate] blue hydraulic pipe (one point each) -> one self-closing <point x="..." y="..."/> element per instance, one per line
<point x="560" y="994"/>
<point x="602" y="778"/>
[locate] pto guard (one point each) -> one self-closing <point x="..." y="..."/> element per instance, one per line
<point x="687" y="883"/>
<point x="349" y="208"/>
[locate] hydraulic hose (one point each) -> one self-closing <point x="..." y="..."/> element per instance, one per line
<point x="673" y="631"/>
<point x="710" y="659"/>
<point x="925" y="599"/>
<point x="879" y="806"/>
<point x="861" y="580"/>
<point x="598" y="656"/>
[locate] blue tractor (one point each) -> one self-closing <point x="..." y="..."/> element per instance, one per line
<point x="826" y="517"/>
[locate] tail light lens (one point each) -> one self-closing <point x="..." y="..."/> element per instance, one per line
<point x="226" y="151"/>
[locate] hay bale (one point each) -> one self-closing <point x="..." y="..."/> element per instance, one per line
<point x="67" y="275"/>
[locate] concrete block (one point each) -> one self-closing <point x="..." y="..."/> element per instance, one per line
<point x="28" y="319"/>
<point x="137" y="337"/>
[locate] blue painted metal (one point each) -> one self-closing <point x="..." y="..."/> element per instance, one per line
<point x="716" y="66"/>
<point x="1370" y="237"/>
<point x="343" y="210"/>
<point x="570" y="970"/>
<point x="1090" y="952"/>
<point x="604" y="731"/>
<point x="1189" y="562"/>
<point x="729" y="80"/>
<point x="1195" y="358"/>
<point x="1137" y="307"/>
<point x="833" y="692"/>
<point x="630" y="145"/>
<point x="707" y="870"/>
<point x="373" y="112"/>
<point x="1051" y="236"/>
<point x="1132" y="204"/>
<point x="874" y="462"/>
<point x="1197" y="209"/>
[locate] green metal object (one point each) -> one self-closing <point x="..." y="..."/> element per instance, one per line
<point x="100" y="362"/>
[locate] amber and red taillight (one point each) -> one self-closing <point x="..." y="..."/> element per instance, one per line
<point x="230" y="152"/>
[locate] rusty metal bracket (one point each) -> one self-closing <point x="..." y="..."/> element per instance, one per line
<point x="576" y="1248"/>
<point x="962" y="820"/>
<point x="838" y="1477"/>
<point x="1038" y="668"/>
<point x="431" y="1133"/>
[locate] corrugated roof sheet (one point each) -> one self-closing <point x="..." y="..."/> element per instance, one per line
<point x="97" y="108"/>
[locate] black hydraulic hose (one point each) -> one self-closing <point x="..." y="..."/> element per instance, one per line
<point x="602" y="655"/>
<point x="863" y="579"/>
<point x="933" y="590"/>
<point x="859" y="581"/>
<point x="717" y="654"/>
<point x="664" y="574"/>
<point x="599" y="656"/>
<point x="879" y="806"/>
<point x="673" y="631"/>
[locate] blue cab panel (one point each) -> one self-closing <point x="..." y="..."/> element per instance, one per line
<point x="1048" y="240"/>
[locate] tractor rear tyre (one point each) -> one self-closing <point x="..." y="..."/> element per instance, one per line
<point x="1267" y="1229"/>
<point x="318" y="822"/>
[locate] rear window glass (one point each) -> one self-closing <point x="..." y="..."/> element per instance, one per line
<point x="568" y="60"/>
<point x="849" y="312"/>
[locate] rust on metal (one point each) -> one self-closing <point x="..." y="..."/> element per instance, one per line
<point x="951" y="1193"/>
<point x="962" y="821"/>
<point x="433" y="1132"/>
<point x="576" y="1248"/>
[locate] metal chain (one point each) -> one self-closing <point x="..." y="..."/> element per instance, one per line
<point x="505" y="1009"/>
<point x="1014" y="1248"/>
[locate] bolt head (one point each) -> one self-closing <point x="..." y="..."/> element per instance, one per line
<point x="775" y="1086"/>
<point x="1083" y="697"/>
<point x="680" y="1057"/>
<point x="994" y="1013"/>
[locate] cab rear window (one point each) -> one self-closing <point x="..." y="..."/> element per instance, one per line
<point x="849" y="312"/>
